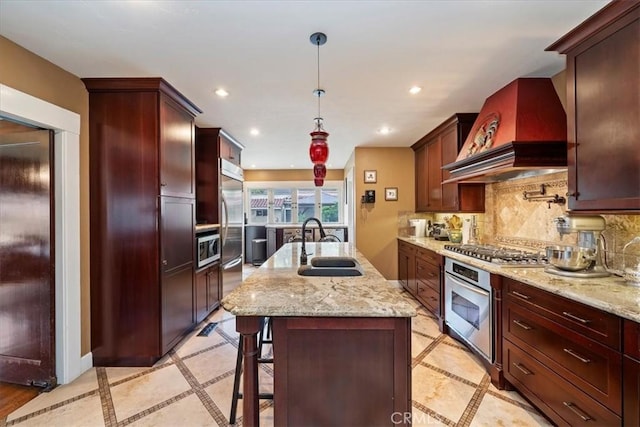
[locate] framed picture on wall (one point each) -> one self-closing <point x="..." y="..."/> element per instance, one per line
<point x="391" y="193"/>
<point x="370" y="177"/>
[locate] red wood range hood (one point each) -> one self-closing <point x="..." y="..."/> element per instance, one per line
<point x="521" y="130"/>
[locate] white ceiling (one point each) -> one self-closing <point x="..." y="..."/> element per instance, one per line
<point x="459" y="52"/>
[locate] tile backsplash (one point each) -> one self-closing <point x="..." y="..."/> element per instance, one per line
<point x="510" y="220"/>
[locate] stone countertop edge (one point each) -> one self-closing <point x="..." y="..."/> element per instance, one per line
<point x="275" y="289"/>
<point x="611" y="294"/>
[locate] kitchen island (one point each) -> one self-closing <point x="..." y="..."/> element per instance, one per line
<point x="341" y="345"/>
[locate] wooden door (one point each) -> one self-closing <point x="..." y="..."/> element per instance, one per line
<point x="177" y="151"/>
<point x="422" y="200"/>
<point x="27" y="346"/>
<point x="434" y="174"/>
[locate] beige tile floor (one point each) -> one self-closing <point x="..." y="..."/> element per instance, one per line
<point x="192" y="386"/>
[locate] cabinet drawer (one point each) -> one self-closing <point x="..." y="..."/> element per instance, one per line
<point x="591" y="322"/>
<point x="589" y="365"/>
<point x="406" y="247"/>
<point x="429" y="256"/>
<point x="632" y="339"/>
<point x="428" y="274"/>
<point x="429" y="297"/>
<point x="569" y="404"/>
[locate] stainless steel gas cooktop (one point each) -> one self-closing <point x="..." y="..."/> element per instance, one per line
<point x="501" y="256"/>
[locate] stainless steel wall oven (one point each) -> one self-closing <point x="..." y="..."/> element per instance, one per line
<point x="468" y="305"/>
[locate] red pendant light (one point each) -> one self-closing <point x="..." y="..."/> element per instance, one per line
<point x="319" y="149"/>
<point x="319" y="170"/>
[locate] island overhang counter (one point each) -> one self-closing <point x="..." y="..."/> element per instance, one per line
<point x="341" y="345"/>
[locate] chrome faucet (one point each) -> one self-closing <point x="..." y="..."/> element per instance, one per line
<point x="303" y="255"/>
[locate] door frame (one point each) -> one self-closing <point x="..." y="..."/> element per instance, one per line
<point x="28" y="109"/>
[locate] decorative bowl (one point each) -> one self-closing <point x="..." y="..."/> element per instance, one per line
<point x="570" y="258"/>
<point x="455" y="236"/>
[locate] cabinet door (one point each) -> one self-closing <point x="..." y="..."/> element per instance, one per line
<point x="449" y="141"/>
<point x="177" y="253"/>
<point x="177" y="233"/>
<point x="201" y="284"/>
<point x="213" y="288"/>
<point x="422" y="201"/>
<point x="434" y="175"/>
<point x="229" y="151"/>
<point x="177" y="306"/>
<point x="177" y="154"/>
<point x="603" y="111"/>
<point x="631" y="393"/>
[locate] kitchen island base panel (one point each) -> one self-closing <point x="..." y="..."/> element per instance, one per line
<point x="341" y="371"/>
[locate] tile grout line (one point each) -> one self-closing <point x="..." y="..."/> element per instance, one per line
<point x="418" y="359"/>
<point x="472" y="408"/>
<point x="204" y="397"/>
<point x="432" y="413"/>
<point x="155" y="408"/>
<point x="106" y="402"/>
<point x="50" y="408"/>
<point x="514" y="402"/>
<point x="449" y="374"/>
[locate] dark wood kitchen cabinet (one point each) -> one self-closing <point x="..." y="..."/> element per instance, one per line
<point x="407" y="266"/>
<point x="429" y="280"/>
<point x="420" y="273"/>
<point x="439" y="147"/>
<point x="562" y="355"/>
<point x="207" y="293"/>
<point x="603" y="106"/>
<point x="142" y="216"/>
<point x="631" y="374"/>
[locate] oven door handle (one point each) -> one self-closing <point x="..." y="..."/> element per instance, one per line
<point x="466" y="286"/>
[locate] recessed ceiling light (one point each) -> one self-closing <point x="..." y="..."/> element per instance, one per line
<point x="253" y="166"/>
<point x="385" y="130"/>
<point x="291" y="166"/>
<point x="254" y="132"/>
<point x="222" y="93"/>
<point x="414" y="90"/>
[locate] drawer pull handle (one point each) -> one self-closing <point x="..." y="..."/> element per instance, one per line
<point x="523" y="296"/>
<point x="576" y="355"/>
<point x="522" y="369"/>
<point x="576" y="318"/>
<point x="522" y="325"/>
<point x="579" y="412"/>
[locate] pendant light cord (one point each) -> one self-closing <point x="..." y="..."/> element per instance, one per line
<point x="319" y="93"/>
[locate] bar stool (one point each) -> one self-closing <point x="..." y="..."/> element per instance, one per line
<point x="264" y="337"/>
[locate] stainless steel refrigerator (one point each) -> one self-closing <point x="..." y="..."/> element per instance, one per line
<point x="231" y="225"/>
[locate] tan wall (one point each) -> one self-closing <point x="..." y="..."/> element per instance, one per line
<point x="377" y="224"/>
<point x="289" y="175"/>
<point x="29" y="73"/>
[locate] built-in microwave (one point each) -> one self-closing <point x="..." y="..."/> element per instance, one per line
<point x="208" y="248"/>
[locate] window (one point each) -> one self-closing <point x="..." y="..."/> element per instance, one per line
<point x="330" y="206"/>
<point x="258" y="203"/>
<point x="306" y="204"/>
<point x="293" y="202"/>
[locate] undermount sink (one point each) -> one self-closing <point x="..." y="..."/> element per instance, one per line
<point x="307" y="270"/>
<point x="334" y="261"/>
<point x="331" y="266"/>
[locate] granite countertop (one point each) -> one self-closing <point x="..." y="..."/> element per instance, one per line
<point x="611" y="294"/>
<point x="276" y="289"/>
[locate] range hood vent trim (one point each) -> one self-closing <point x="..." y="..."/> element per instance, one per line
<point x="508" y="161"/>
<point x="531" y="135"/>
